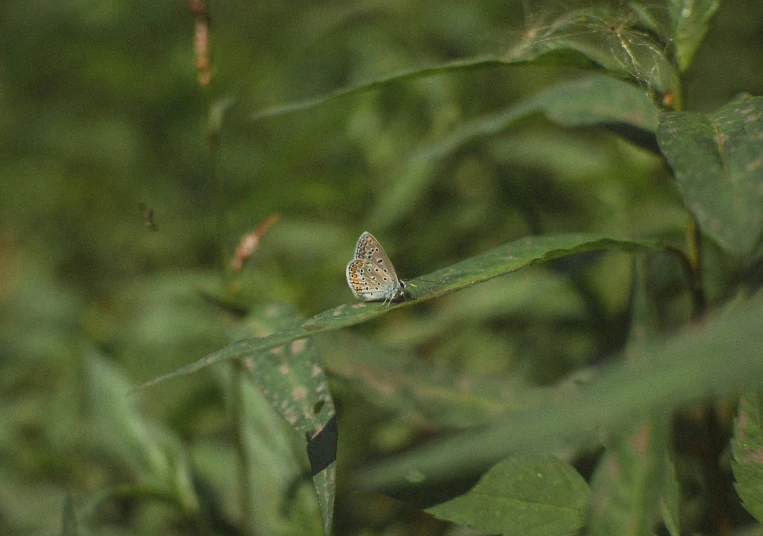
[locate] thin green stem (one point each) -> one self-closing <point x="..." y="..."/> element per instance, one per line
<point x="243" y="448"/>
<point x="691" y="260"/>
<point x="214" y="122"/>
<point x="694" y="257"/>
<point x="712" y="448"/>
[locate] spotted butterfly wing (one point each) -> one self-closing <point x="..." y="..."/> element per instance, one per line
<point x="370" y="274"/>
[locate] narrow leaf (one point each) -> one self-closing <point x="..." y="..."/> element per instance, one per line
<point x="128" y="438"/>
<point x="465" y="64"/>
<point x="585" y="38"/>
<point x="718" y="163"/>
<point x="721" y="357"/>
<point x="522" y="496"/>
<point x="635" y="475"/>
<point x="594" y="100"/>
<point x="494" y="263"/>
<point x="393" y="379"/>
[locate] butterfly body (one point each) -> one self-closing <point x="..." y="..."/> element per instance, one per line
<point x="370" y="274"/>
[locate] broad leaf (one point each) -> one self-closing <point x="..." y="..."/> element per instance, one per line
<point x="608" y="38"/>
<point x="718" y="163"/>
<point x="522" y="496"/>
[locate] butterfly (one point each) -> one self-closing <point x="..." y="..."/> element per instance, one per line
<point x="370" y="274"/>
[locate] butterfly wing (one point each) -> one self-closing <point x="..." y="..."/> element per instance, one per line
<point x="370" y="274"/>
<point x="367" y="281"/>
<point x="369" y="249"/>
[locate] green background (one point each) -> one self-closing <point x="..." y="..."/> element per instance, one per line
<point x="101" y="115"/>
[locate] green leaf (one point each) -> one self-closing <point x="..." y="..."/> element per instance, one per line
<point x="325" y="489"/>
<point x="690" y="20"/>
<point x="623" y="51"/>
<point x="270" y="463"/>
<point x="290" y="376"/>
<point x="594" y="100"/>
<point x="628" y="482"/>
<point x="291" y="379"/>
<point x="718" y="163"/>
<point x="719" y="358"/>
<point x="499" y="261"/>
<point x="522" y="496"/>
<point x="466" y="64"/>
<point x="602" y="36"/>
<point x="747" y="448"/>
<point x="118" y="430"/>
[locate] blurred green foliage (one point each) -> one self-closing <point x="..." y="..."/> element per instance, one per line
<point x="445" y="128"/>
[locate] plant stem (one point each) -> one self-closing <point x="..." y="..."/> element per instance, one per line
<point x="214" y="121"/>
<point x="694" y="258"/>
<point x="243" y="448"/>
<point x="712" y="450"/>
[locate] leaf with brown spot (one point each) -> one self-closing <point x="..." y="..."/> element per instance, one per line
<point x="291" y="379"/>
<point x="718" y="164"/>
